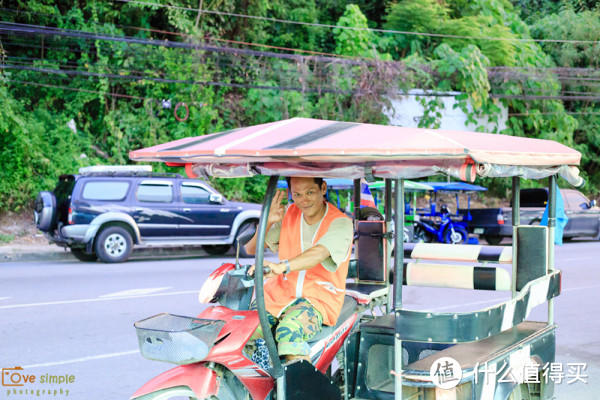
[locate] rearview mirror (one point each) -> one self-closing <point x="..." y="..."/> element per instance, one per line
<point x="216" y="198"/>
<point x="593" y="203"/>
<point x="244" y="236"/>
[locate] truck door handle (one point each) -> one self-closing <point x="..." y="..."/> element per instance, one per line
<point x="186" y="210"/>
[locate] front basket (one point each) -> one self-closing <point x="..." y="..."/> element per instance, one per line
<point x="177" y="339"/>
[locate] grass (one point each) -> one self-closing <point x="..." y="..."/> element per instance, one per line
<point x="6" y="238"/>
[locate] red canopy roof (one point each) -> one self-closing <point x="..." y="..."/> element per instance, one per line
<point x="301" y="140"/>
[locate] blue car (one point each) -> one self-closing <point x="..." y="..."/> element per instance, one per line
<point x="104" y="211"/>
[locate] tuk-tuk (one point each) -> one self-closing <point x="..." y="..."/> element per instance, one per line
<point x="493" y="353"/>
<point x="442" y="225"/>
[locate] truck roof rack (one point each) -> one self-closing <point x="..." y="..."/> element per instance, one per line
<point x="125" y="170"/>
<point x="111" y="169"/>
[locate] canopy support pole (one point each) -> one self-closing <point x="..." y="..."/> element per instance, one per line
<point x="551" y="233"/>
<point x="259" y="288"/>
<point x="388" y="228"/>
<point x="356" y="200"/>
<point x="516" y="220"/>
<point x="398" y="279"/>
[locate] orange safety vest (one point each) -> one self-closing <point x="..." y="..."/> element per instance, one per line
<point x="322" y="288"/>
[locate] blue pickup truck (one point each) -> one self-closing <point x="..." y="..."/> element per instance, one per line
<point x="104" y="211"/>
<point x="494" y="224"/>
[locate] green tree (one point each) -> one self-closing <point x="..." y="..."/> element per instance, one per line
<point x="357" y="42"/>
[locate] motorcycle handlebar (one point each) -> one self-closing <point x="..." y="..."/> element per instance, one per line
<point x="266" y="271"/>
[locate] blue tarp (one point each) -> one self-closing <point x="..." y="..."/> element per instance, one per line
<point x="455" y="186"/>
<point x="348" y="184"/>
<point x="332" y="183"/>
<point x="561" y="217"/>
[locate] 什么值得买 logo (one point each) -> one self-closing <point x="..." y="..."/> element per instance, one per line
<point x="446" y="373"/>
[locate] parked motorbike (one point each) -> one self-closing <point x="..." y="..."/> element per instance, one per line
<point x="215" y="350"/>
<point x="446" y="231"/>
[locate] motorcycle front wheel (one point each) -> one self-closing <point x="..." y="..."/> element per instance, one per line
<point x="455" y="236"/>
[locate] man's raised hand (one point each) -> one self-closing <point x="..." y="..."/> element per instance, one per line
<point x="277" y="210"/>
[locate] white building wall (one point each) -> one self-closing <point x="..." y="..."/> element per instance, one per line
<point x="406" y="111"/>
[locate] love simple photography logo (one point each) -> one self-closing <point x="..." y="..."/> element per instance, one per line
<point x="18" y="382"/>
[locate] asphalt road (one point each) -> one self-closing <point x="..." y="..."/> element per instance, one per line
<point x="76" y="319"/>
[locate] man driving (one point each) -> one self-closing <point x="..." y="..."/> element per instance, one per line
<point x="306" y="288"/>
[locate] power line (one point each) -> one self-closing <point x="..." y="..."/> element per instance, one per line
<point x="76" y="89"/>
<point x="314" y="24"/>
<point x="149" y="98"/>
<point x="192" y="36"/>
<point x="26" y="29"/>
<point x="220" y="64"/>
<point x="507" y="72"/>
<point x="565" y="95"/>
<point x="552" y="113"/>
<point x="543" y="97"/>
<point x="152" y="99"/>
<point x="187" y="82"/>
<point x="37" y="29"/>
<point x="166" y="80"/>
<point x="562" y="70"/>
<point x="233" y="61"/>
<point x="524" y="73"/>
<point x="290" y="88"/>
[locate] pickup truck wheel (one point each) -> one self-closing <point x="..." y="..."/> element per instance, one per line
<point x="494" y="240"/>
<point x="456" y="236"/>
<point x="216" y="250"/>
<point x="114" y="244"/>
<point x="535" y="221"/>
<point x="81" y="255"/>
<point x="45" y="211"/>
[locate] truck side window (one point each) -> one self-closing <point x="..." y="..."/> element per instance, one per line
<point x="193" y="194"/>
<point x="105" y="190"/>
<point x="154" y="192"/>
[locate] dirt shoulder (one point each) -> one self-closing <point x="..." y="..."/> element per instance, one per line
<point x="19" y="230"/>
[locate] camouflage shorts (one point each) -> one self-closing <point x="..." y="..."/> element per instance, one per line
<point x="299" y="322"/>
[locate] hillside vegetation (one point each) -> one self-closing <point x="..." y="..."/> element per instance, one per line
<point x="85" y="84"/>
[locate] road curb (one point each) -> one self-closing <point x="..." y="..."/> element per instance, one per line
<point x="62" y="255"/>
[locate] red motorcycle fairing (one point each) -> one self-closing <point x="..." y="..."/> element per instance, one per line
<point x="210" y="286"/>
<point x="228" y="352"/>
<point x="201" y="380"/>
<point x="239" y="327"/>
<point x="331" y="345"/>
